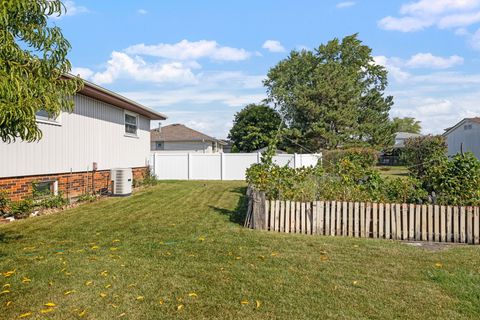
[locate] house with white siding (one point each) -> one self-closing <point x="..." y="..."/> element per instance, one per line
<point x="464" y="136"/>
<point x="77" y="150"/>
<point x="180" y="138"/>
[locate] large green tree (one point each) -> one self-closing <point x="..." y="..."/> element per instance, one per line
<point x="254" y="127"/>
<point x="33" y="65"/>
<point x="333" y="96"/>
<point x="407" y="124"/>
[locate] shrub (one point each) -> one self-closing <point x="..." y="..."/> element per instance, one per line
<point x="87" y="197"/>
<point x="364" y="157"/>
<point x="22" y="209"/>
<point x="53" y="202"/>
<point x="456" y="182"/>
<point x="405" y="190"/>
<point x="4" y="203"/>
<point x="422" y="153"/>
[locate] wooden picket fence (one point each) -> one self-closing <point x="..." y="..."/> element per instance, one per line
<point x="368" y="220"/>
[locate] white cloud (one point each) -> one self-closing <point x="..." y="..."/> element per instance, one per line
<point x="190" y="50"/>
<point x="394" y="71"/>
<point x="345" y="4"/>
<point x="72" y="9"/>
<point x="84" y="73"/>
<point x="273" y="46"/>
<point x="142" y="11"/>
<point x="422" y="14"/>
<point x="428" y="60"/>
<point x="122" y="65"/>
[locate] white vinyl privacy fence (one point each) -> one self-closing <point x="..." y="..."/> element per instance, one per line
<point x="218" y="166"/>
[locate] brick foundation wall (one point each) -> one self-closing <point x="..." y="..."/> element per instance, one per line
<point x="69" y="184"/>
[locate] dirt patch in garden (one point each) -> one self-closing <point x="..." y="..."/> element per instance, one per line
<point x="433" y="246"/>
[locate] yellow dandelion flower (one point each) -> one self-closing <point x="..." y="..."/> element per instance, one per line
<point x="201" y="238"/>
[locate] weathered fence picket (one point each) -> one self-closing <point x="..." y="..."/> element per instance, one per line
<point x="366" y="220"/>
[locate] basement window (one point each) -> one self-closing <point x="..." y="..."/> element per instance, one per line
<point x="131" y="124"/>
<point x="44" y="188"/>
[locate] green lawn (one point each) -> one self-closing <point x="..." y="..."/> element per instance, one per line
<point x="393" y="171"/>
<point x="177" y="251"/>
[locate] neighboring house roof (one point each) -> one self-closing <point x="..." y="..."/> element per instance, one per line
<point x="180" y="132"/>
<point x="450" y="129"/>
<point x="400" y="138"/>
<point x="96" y="92"/>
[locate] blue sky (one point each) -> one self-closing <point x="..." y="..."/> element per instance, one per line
<point x="199" y="62"/>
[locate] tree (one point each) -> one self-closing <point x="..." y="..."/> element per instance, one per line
<point x="407" y="124"/>
<point x="254" y="127"/>
<point x="333" y="97"/>
<point x="33" y="65"/>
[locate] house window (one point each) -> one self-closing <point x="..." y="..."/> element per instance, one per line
<point x="43" y="116"/>
<point x="131" y="124"/>
<point x="467" y="127"/>
<point x="44" y="188"/>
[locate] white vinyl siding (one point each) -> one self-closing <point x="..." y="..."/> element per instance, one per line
<point x="466" y="136"/>
<point x="93" y="132"/>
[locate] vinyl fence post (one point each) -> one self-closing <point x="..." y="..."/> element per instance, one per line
<point x="222" y="166"/>
<point x="189" y="164"/>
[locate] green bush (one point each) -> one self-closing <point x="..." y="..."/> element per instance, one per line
<point x="404" y="190"/>
<point x="423" y="153"/>
<point x="4" y="203"/>
<point x="22" y="209"/>
<point x="364" y="157"/>
<point x="456" y="181"/>
<point x="53" y="202"/>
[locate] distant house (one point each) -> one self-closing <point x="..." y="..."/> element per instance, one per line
<point x="77" y="150"/>
<point x="392" y="157"/>
<point x="180" y="138"/>
<point x="464" y="136"/>
<point x="227" y="147"/>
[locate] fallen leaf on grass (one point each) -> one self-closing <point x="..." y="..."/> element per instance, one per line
<point x="24" y="315"/>
<point x="104" y="273"/>
<point x="103" y="294"/>
<point x="5" y="292"/>
<point x="161" y="301"/>
<point x="244" y="302"/>
<point x="68" y="292"/>
<point x="323" y="258"/>
<point x="121" y="315"/>
<point x="94" y="247"/>
<point x="257" y="302"/>
<point x="6" y="285"/>
<point x="82" y="313"/>
<point x="180" y="307"/>
<point x="8" y="303"/>
<point x="50" y="304"/>
<point x="9" y="273"/>
<point x="140" y="298"/>
<point x="192" y="294"/>
<point x="88" y="283"/>
<point x="108" y="286"/>
<point x="113" y="248"/>
<point x="355" y="282"/>
<point x="274" y="254"/>
<point x="116" y="240"/>
<point x="438" y="265"/>
<point x="48" y="310"/>
<point x="201" y="238"/>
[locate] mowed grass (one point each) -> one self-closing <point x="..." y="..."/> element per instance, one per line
<point x="393" y="171"/>
<point x="177" y="250"/>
